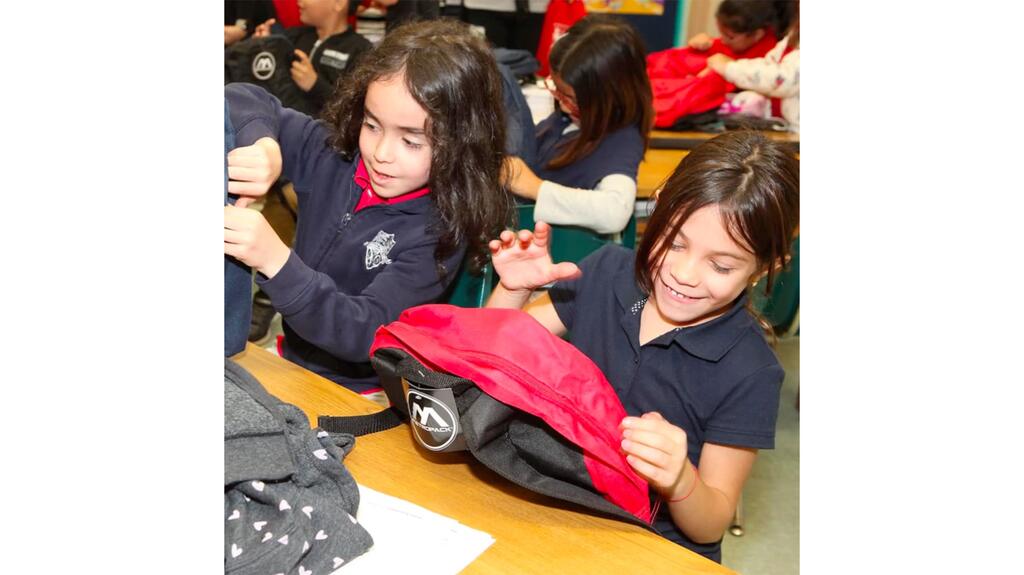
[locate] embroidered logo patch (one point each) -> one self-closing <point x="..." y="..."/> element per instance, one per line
<point x="378" y="248"/>
<point x="263" y="65"/>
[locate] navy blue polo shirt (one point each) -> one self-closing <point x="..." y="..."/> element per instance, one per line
<point x="719" y="381"/>
<point x="620" y="152"/>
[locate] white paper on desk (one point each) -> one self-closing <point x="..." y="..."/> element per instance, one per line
<point x="412" y="539"/>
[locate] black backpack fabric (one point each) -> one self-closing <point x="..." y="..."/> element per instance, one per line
<point x="484" y="380"/>
<point x="266" y="62"/>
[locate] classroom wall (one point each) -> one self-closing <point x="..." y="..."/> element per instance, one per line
<point x="658" y="32"/>
<point x="700" y="17"/>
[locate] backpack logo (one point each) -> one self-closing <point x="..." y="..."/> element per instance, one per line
<point x="378" y="248"/>
<point x="263" y="65"/>
<point x="433" y="423"/>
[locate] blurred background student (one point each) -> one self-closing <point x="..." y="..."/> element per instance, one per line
<point x="590" y="147"/>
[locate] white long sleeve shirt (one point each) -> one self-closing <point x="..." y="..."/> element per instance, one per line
<point x="773" y="75"/>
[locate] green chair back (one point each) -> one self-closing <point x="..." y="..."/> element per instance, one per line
<point x="471" y="290"/>
<point x="781" y="307"/>
<point x="573" y="243"/>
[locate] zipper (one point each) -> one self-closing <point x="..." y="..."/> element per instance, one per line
<point x="328" y="244"/>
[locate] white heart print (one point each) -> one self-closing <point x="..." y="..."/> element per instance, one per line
<point x="258" y="485"/>
<point x="234" y="515"/>
<point x="320" y="535"/>
<point x="284" y="505"/>
<point x="308" y="510"/>
<point x="258" y="526"/>
<point x="235" y="550"/>
<point x="320" y="454"/>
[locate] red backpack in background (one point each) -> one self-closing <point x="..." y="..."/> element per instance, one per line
<point x="561" y="15"/>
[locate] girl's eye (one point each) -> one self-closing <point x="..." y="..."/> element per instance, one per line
<point x="678" y="247"/>
<point x="370" y="126"/>
<point x="412" y="145"/>
<point x="720" y="269"/>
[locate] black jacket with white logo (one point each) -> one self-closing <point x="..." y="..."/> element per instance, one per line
<point x="349" y="272"/>
<point x="332" y="59"/>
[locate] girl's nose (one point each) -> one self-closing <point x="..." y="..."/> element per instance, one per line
<point x="382" y="152"/>
<point x="684" y="270"/>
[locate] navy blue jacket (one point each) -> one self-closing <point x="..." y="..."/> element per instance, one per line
<point x="348" y="273"/>
<point x="719" y="381"/>
<point x="237" y="276"/>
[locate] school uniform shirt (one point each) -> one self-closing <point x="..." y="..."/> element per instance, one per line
<point x="331" y="59"/>
<point x="350" y="271"/>
<point x="597" y="191"/>
<point x="719" y="381"/>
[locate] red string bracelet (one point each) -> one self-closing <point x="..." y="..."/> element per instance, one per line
<point x="696" y="478"/>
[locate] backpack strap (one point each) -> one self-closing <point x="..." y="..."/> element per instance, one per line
<point x="361" y="424"/>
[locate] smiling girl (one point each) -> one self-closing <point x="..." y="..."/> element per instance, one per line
<point x="395" y="187"/>
<point x="671" y="329"/>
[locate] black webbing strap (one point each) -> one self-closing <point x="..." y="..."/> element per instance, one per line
<point x="360" y="424"/>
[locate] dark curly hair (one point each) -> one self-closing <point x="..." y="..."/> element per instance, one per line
<point x="454" y="77"/>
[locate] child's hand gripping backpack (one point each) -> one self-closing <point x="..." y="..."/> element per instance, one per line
<point x="524" y="402"/>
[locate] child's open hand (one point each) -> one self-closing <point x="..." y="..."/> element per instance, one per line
<point x="656" y="450"/>
<point x="253" y="169"/>
<point x="523" y="261"/>
<point x="700" y="42"/>
<point x="249" y="238"/>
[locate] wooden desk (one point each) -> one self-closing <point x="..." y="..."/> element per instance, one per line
<point x="667" y="139"/>
<point x="533" y="533"/>
<point x="668" y="148"/>
<point x="658" y="164"/>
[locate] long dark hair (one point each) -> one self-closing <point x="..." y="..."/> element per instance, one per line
<point x="754" y="181"/>
<point x="454" y="77"/>
<point x="746" y="16"/>
<point x="603" y="59"/>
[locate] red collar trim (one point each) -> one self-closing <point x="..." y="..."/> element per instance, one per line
<point x="368" y="198"/>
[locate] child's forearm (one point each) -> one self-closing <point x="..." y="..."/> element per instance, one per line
<point x="505" y="298"/>
<point x="705" y="514"/>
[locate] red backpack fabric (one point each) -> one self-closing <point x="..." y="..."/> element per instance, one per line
<point x="512" y="358"/>
<point x="677" y="89"/>
<point x="561" y="15"/>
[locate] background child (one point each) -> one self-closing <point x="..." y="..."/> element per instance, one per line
<point x="670" y="329"/>
<point x="685" y="92"/>
<point x="394" y="186"/>
<point x="747" y="29"/>
<point x="589" y="149"/>
<point x="325" y="48"/>
<point x="776" y="75"/>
